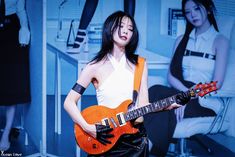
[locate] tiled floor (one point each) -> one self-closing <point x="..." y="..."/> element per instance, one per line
<point x="64" y="145"/>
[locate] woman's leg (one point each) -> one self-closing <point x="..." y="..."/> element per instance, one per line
<point x="129" y="7"/>
<point x="87" y="14"/>
<point x="194" y="109"/>
<point x="10" y="114"/>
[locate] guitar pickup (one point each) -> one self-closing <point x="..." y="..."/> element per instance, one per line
<point x="105" y="122"/>
<point x="121" y="119"/>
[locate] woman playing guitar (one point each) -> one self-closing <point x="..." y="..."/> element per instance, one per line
<point x="112" y="74"/>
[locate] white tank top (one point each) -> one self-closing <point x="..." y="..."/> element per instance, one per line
<point x="200" y="69"/>
<point x="118" y="86"/>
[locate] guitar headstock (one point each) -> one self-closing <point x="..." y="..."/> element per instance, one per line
<point x="203" y="89"/>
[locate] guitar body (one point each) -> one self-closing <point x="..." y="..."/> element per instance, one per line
<point x="119" y="118"/>
<point x="95" y="114"/>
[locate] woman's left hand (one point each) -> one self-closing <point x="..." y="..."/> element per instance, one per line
<point x="183" y="98"/>
<point x="24" y="36"/>
<point x="173" y="106"/>
<point x="139" y="120"/>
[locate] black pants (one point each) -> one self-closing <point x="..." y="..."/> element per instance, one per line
<point x="160" y="126"/>
<point x="134" y="145"/>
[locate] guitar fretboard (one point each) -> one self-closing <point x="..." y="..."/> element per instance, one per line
<point x="152" y="107"/>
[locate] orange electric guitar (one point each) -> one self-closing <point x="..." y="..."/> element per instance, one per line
<point x="119" y="118"/>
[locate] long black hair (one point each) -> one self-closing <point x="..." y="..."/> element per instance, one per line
<point x="111" y="24"/>
<point x="176" y="63"/>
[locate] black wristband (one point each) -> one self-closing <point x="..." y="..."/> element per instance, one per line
<point x="78" y="88"/>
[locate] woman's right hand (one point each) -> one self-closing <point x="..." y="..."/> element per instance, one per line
<point x="100" y="132"/>
<point x="24" y="36"/>
<point x="90" y="129"/>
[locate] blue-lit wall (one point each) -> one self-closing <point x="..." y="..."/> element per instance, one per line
<point x="157" y="42"/>
<point x="33" y="112"/>
<point x="72" y="10"/>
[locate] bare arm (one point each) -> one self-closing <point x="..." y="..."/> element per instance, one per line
<point x="143" y="98"/>
<point x="143" y="94"/>
<point x="24" y="33"/>
<point x="70" y="104"/>
<point x="174" y="82"/>
<point x="221" y="48"/>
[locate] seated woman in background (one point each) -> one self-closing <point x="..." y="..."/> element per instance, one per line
<point x="200" y="56"/>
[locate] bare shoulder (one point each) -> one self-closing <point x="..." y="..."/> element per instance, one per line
<point x="221" y="40"/>
<point x="89" y="69"/>
<point x="95" y="67"/>
<point x="221" y="45"/>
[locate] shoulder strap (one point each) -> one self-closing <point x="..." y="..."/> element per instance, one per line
<point x="137" y="77"/>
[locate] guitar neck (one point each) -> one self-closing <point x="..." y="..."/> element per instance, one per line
<point x="152" y="107"/>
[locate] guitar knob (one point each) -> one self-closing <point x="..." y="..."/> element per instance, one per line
<point x="89" y="139"/>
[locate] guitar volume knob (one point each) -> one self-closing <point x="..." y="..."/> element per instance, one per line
<point x="89" y="139"/>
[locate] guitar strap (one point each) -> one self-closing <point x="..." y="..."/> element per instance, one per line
<point x="137" y="78"/>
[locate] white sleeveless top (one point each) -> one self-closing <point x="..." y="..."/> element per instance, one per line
<point x="118" y="86"/>
<point x="201" y="69"/>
